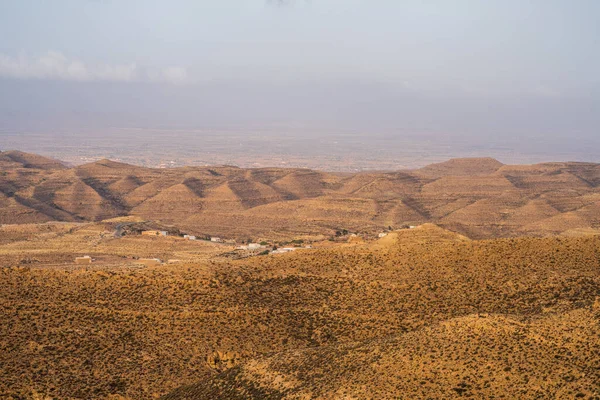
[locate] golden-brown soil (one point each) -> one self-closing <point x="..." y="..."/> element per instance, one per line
<point x="420" y="313"/>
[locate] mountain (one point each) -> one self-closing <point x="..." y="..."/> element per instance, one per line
<point x="19" y="159"/>
<point x="461" y="167"/>
<point x="481" y="198"/>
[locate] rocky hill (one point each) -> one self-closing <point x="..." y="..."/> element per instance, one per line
<point x="480" y="198"/>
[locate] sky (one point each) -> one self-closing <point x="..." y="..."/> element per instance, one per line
<point x="468" y="68"/>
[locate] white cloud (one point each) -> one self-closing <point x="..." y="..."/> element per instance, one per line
<point x="55" y="65"/>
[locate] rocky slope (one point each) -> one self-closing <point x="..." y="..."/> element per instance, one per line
<point x="478" y="197"/>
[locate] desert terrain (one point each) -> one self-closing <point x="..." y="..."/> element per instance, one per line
<point x="480" y="198"/>
<point x="468" y="278"/>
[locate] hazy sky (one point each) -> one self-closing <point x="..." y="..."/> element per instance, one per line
<point x="486" y="67"/>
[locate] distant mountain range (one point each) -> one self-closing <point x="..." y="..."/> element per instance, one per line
<point x="477" y="197"/>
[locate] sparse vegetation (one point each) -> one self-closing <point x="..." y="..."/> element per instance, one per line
<point x="413" y="297"/>
<point x="421" y="313"/>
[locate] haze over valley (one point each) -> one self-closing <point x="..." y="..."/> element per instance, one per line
<point x="320" y="149"/>
<point x="294" y="199"/>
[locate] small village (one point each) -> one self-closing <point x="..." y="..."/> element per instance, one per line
<point x="245" y="249"/>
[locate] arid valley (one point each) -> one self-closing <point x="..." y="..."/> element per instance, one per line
<point x="299" y="199"/>
<point x="467" y="278"/>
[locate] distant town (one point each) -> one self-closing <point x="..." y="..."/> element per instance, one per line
<point x="334" y="151"/>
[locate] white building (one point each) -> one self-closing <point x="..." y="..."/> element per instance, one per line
<point x="283" y="250"/>
<point x="216" y="239"/>
<point x="149" y="262"/>
<point x="83" y="260"/>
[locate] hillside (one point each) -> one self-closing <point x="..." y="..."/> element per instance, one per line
<point x="19" y="159"/>
<point x="461" y="167"/>
<point x="477" y="356"/>
<point x="480" y="198"/>
<point x="422" y="312"/>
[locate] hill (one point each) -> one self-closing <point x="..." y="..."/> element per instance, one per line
<point x="19" y="159"/>
<point x="461" y="167"/>
<point x="422" y="312"/>
<point x="480" y="198"/>
<point x="481" y="356"/>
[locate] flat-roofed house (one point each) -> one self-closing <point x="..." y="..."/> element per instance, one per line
<point x="282" y="250"/>
<point x="149" y="262"/>
<point x="83" y="260"/>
